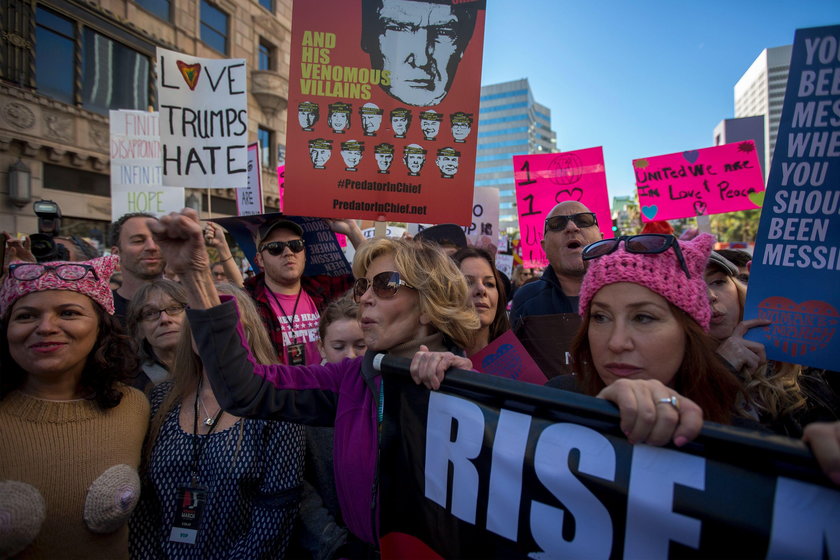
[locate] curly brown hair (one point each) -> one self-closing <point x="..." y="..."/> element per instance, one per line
<point x="111" y="362"/>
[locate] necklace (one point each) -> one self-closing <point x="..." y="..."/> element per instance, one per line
<point x="211" y="419"/>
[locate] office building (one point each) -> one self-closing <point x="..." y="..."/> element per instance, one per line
<point x="510" y="123"/>
<point x="66" y="63"/>
<point x="761" y="91"/>
<point x="729" y="131"/>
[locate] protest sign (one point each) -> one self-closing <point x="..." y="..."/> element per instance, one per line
<point x="281" y="182"/>
<point x="381" y="134"/>
<point x="489" y="468"/>
<point x="483" y="230"/>
<point x="135" y="167"/>
<point x="506" y="357"/>
<point x="204" y="120"/>
<point x="323" y="255"/>
<point x="249" y="201"/>
<point x="390" y="231"/>
<point x="544" y="180"/>
<point x="504" y="263"/>
<point x="794" y="278"/>
<point x="701" y="182"/>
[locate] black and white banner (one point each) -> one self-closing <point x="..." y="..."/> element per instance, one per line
<point x="491" y="468"/>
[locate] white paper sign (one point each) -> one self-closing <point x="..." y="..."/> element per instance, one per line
<point x="136" y="173"/>
<point x="203" y="120"/>
<point x="504" y="263"/>
<point x="249" y="201"/>
<point x="484" y="230"/>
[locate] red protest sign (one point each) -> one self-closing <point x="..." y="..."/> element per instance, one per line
<point x="544" y="180"/>
<point x="713" y="180"/>
<point x="506" y="357"/>
<point x="386" y="97"/>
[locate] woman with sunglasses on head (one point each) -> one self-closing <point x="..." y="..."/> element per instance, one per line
<point x="645" y="328"/>
<point x="70" y="431"/>
<point x="243" y="474"/>
<point x="487" y="293"/>
<point x="155" y="319"/>
<point x="411" y="298"/>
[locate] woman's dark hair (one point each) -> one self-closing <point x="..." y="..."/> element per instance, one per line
<point x="111" y="362"/>
<point x="501" y="323"/>
<point x="702" y="377"/>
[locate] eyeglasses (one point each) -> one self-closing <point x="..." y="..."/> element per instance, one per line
<point x="581" y="220"/>
<point x="65" y="271"/>
<point x="154" y="314"/>
<point x="644" y="244"/>
<point x="278" y="247"/>
<point x="385" y="285"/>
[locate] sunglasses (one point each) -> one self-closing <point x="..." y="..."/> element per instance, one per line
<point x="279" y="247"/>
<point x="385" y="285"/>
<point x="67" y="271"/>
<point x="643" y="244"/>
<point x="581" y="220"/>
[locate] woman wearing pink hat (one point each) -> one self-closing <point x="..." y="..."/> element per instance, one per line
<point x="70" y="433"/>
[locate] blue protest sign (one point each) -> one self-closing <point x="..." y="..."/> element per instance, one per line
<point x="323" y="253"/>
<point x="794" y="276"/>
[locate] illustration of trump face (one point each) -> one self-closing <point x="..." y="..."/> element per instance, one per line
<point x="414" y="157"/>
<point x="418" y="44"/>
<point x="351" y="153"/>
<point x="320" y="151"/>
<point x="430" y="124"/>
<point x="461" y="125"/>
<point x="447" y="161"/>
<point x="338" y="118"/>
<point x="308" y="115"/>
<point x="384" y="155"/>
<point x="371" y="116"/>
<point x="400" y="121"/>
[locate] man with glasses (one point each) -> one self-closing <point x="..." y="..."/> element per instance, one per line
<point x="140" y="258"/>
<point x="544" y="312"/>
<point x="289" y="302"/>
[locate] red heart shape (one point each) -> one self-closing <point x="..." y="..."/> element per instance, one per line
<point x="190" y="72"/>
<point x="798" y="328"/>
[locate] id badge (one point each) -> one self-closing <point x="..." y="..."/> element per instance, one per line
<point x="295" y="355"/>
<point x="191" y="502"/>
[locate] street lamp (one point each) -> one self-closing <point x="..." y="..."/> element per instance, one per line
<point x="20" y="184"/>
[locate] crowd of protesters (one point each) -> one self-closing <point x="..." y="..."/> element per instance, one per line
<point x="258" y="436"/>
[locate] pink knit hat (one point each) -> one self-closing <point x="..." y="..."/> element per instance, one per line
<point x="660" y="273"/>
<point x="98" y="289"/>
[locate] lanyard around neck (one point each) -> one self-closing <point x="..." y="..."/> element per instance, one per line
<point x="198" y="442"/>
<point x="289" y="319"/>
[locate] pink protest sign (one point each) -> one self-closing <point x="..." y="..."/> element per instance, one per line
<point x="714" y="180"/>
<point x="281" y="182"/>
<point x="506" y="357"/>
<point x="544" y="180"/>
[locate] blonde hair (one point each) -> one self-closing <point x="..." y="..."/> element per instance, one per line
<point x="188" y="369"/>
<point x="442" y="289"/>
<point x="772" y="388"/>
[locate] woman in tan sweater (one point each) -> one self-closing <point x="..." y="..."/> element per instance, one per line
<point x="70" y="433"/>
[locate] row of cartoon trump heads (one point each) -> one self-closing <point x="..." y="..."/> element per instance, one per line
<point x="413" y="156"/>
<point x="370" y="115"/>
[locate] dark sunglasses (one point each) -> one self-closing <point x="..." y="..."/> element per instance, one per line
<point x="581" y="220"/>
<point x="66" y="271"/>
<point x="385" y="285"/>
<point x="278" y="247"/>
<point x="644" y="244"/>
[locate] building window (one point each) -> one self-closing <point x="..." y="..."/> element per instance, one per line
<point x="268" y="5"/>
<point x="264" y="138"/>
<point x="54" y="55"/>
<point x="214" y="27"/>
<point x="113" y="75"/>
<point x="266" y="56"/>
<point x="160" y="8"/>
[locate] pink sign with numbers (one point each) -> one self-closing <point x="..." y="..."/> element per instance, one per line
<point x="544" y="180"/>
<point x="713" y="180"/>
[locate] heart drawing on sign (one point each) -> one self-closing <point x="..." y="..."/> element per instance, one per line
<point x="700" y="207"/>
<point x="506" y="362"/>
<point x="571" y="194"/>
<point x="190" y="72"/>
<point x="649" y="212"/>
<point x="798" y="327"/>
<point x="691" y="156"/>
<point x="757" y="198"/>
